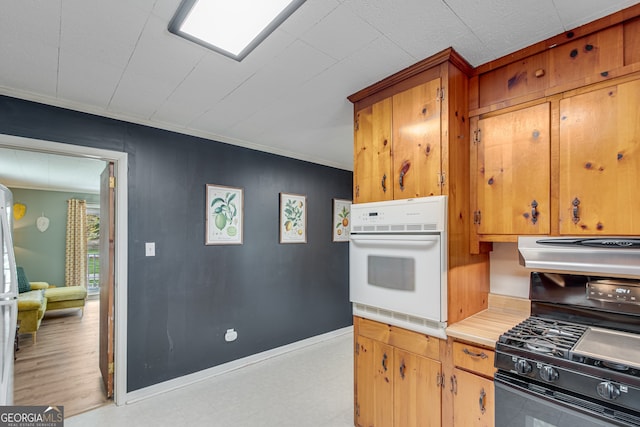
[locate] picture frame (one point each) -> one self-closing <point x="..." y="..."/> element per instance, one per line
<point x="224" y="215"/>
<point x="341" y="223"/>
<point x="293" y="218"/>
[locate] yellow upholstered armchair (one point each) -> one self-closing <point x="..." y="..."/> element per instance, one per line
<point x="35" y="298"/>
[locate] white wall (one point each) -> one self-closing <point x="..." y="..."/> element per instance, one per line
<point x="507" y="276"/>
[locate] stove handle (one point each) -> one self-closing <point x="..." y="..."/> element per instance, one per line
<point x="482" y="401"/>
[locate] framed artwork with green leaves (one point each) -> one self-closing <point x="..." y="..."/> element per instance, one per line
<point x="293" y="218"/>
<point x="341" y="220"/>
<point x="225" y="215"/>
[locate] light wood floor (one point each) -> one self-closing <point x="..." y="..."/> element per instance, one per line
<point x="62" y="367"/>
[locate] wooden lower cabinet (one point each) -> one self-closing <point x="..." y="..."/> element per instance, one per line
<point x="394" y="385"/>
<point x="473" y="400"/>
<point x="471" y="386"/>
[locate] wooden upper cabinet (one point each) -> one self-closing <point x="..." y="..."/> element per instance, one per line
<point x="513" y="172"/>
<point x="594" y="54"/>
<point x="529" y="75"/>
<point x="600" y="161"/>
<point x="372" y="178"/>
<point x="417" y="162"/>
<point x="575" y="63"/>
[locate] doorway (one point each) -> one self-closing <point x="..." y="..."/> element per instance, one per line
<point x="119" y="160"/>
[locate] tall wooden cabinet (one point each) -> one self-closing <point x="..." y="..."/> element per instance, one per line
<point x="397" y="148"/>
<point x="411" y="139"/>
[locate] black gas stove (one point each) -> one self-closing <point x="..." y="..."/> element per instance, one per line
<point x="579" y="351"/>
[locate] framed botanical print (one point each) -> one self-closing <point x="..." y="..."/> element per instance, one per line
<point x="225" y="215"/>
<point x="293" y="218"/>
<point x="341" y="220"/>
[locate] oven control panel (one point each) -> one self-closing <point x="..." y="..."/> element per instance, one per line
<point x="613" y="291"/>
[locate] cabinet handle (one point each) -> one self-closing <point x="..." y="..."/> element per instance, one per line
<point x="482" y="400"/>
<point x="403" y="171"/>
<point x="403" y="368"/>
<point x="454" y="385"/>
<point x="576" y="210"/>
<point x="469" y="353"/>
<point x="534" y="212"/>
<point x="384" y="183"/>
<point x="384" y="362"/>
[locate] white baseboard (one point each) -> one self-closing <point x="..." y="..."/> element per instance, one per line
<point x="156" y="389"/>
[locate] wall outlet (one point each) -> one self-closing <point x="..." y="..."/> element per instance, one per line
<point x="150" y="249"/>
<point x="231" y="335"/>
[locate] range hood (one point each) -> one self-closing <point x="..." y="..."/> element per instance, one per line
<point x="601" y="256"/>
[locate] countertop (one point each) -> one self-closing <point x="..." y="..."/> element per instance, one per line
<point x="484" y="328"/>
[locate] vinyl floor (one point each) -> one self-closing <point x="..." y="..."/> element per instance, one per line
<point x="312" y="386"/>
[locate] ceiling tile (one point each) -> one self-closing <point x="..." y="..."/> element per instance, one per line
<point x="508" y="27"/>
<point x="29" y="47"/>
<point x="573" y="16"/>
<point x="340" y="33"/>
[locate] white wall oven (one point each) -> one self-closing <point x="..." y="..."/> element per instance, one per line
<point x="398" y="263"/>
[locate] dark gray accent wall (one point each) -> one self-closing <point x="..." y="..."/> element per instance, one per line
<point x="182" y="301"/>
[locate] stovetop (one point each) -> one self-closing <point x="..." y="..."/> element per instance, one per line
<point x="554" y="341"/>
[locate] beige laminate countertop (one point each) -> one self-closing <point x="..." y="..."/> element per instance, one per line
<point x="484" y="328"/>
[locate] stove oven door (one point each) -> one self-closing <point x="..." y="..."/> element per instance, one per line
<point x="523" y="404"/>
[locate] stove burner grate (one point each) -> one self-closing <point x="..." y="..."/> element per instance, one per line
<point x="544" y="336"/>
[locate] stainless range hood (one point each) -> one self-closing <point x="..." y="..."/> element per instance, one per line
<point x="601" y="256"/>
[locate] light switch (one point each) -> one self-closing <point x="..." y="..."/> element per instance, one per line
<point x="150" y="249"/>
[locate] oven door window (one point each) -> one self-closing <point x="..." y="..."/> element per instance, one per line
<point x="519" y="408"/>
<point x="391" y="272"/>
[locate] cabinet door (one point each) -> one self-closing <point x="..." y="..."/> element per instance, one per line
<point x="374" y="383"/>
<point x="600" y="161"/>
<point x="417" y="163"/>
<point x="417" y="393"/>
<point x="514" y="172"/>
<point x="473" y="400"/>
<point x="372" y="178"/>
<point x="364" y="369"/>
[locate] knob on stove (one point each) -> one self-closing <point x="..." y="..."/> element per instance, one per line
<point x="548" y="373"/>
<point x="522" y="366"/>
<point x="608" y="390"/>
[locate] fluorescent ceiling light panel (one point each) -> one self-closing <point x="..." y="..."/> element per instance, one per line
<point x="232" y="27"/>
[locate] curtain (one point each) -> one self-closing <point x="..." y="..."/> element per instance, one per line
<point x="76" y="248"/>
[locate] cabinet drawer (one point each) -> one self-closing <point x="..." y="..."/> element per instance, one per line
<point x="472" y="358"/>
<point x="415" y="342"/>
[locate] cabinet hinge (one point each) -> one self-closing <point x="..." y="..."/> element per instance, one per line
<point x="440" y="94"/>
<point x="357" y="410"/>
<point x="356" y="350"/>
<point x="110" y="368"/>
<point x="476" y="136"/>
<point x="477" y="217"/>
<point x="112" y="182"/>
<point x="441" y="179"/>
<point x="440" y="380"/>
<point x="356" y="124"/>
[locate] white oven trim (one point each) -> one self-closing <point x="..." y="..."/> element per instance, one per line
<point x="413" y="323"/>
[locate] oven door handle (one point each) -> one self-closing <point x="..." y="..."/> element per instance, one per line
<point x="395" y="244"/>
<point x="394" y="238"/>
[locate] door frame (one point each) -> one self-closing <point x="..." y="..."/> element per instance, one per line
<point x="121" y="244"/>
